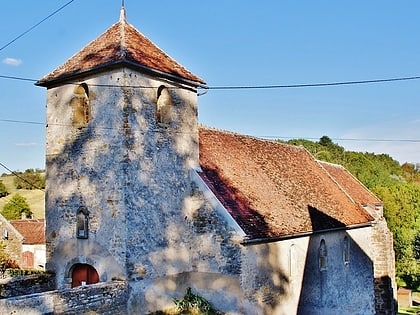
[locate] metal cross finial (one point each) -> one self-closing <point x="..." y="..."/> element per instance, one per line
<point x="122" y="12"/>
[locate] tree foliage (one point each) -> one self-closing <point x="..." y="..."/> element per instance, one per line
<point x="30" y="179"/>
<point x="5" y="260"/>
<point x="3" y="190"/>
<point x="398" y="186"/>
<point x="17" y="206"/>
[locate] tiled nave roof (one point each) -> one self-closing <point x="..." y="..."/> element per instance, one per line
<point x="273" y="189"/>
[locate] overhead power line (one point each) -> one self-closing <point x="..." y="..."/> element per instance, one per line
<point x="344" y="139"/>
<point x="34" y="26"/>
<point x="259" y="136"/>
<point x="308" y="85"/>
<point x="247" y="87"/>
<point x="22" y="122"/>
<point x="16" y="78"/>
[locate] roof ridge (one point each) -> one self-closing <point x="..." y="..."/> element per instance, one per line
<point x="334" y="180"/>
<point x="366" y="189"/>
<point x="331" y="164"/>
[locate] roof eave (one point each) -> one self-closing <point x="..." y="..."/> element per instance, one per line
<point x="65" y="78"/>
<point x="263" y="240"/>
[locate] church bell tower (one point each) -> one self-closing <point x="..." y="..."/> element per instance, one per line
<point x="121" y="138"/>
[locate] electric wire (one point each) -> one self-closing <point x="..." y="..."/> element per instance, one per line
<point x="9" y="77"/>
<point x="343" y="139"/>
<point x="305" y="85"/>
<point x="246" y="87"/>
<point x="309" y="85"/>
<point x="20" y="177"/>
<point x="258" y="136"/>
<point x="35" y="25"/>
<point x="21" y="122"/>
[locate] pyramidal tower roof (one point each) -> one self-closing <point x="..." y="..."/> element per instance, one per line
<point x="122" y="44"/>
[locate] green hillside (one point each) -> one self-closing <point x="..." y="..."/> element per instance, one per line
<point x="398" y="186"/>
<point x="34" y="197"/>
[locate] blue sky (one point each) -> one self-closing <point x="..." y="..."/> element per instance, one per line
<point x="237" y="43"/>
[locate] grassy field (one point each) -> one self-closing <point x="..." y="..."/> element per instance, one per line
<point x="35" y="198"/>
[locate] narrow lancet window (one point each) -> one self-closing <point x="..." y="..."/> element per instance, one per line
<point x="346" y="251"/>
<point x="322" y="256"/>
<point x="82" y="225"/>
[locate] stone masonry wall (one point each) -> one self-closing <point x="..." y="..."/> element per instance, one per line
<point x="104" y="298"/>
<point x="13" y="242"/>
<point x="11" y="287"/>
<point x="384" y="266"/>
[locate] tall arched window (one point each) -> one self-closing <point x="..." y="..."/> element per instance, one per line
<point x="80" y="106"/>
<point x="164" y="105"/>
<point x="323" y="255"/>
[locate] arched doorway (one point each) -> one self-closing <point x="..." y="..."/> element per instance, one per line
<point x="83" y="274"/>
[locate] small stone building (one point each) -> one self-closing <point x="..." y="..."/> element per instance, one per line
<point x="138" y="191"/>
<point x="24" y="241"/>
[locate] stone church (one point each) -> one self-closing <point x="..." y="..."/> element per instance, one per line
<point x="137" y="191"/>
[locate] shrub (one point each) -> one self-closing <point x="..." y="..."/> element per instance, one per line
<point x="16" y="272"/>
<point x="194" y="304"/>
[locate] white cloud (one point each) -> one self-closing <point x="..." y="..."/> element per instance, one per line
<point x="12" y="61"/>
<point x="27" y="144"/>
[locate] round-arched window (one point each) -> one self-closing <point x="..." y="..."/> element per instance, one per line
<point x="80" y="106"/>
<point x="164" y="105"/>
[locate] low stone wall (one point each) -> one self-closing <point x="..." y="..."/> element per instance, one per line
<point x="25" y="285"/>
<point x="102" y="298"/>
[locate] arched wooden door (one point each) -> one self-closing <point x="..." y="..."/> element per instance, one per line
<point x="83" y="274"/>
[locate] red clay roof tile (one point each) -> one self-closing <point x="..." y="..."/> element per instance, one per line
<point x="121" y="43"/>
<point x="351" y="184"/>
<point x="33" y="231"/>
<point x="273" y="189"/>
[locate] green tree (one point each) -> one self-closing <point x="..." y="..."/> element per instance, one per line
<point x="15" y="207"/>
<point x="3" y="190"/>
<point x="30" y="179"/>
<point x="416" y="246"/>
<point x="325" y="141"/>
